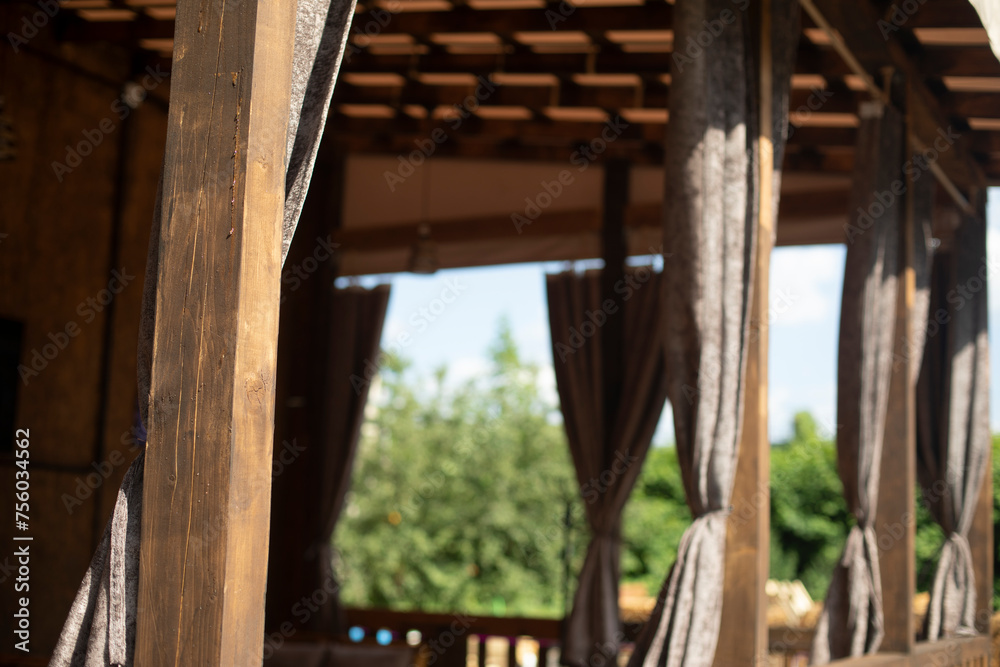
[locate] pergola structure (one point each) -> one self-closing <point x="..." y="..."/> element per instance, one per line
<point x="466" y="112"/>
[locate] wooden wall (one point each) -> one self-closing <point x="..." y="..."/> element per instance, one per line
<point x="64" y="233"/>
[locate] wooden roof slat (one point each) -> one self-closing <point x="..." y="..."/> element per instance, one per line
<point x="858" y="27"/>
<point x="614" y="59"/>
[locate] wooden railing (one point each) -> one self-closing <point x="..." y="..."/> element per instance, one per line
<point x="449" y="640"/>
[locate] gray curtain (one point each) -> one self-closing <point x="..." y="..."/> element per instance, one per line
<point x="953" y="439"/>
<point x="710" y="239"/>
<point x="100" y="627"/>
<point x="609" y="448"/>
<point x="852" y="620"/>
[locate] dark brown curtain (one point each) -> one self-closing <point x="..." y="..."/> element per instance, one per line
<point x="607" y="449"/>
<point x="354" y="342"/>
<point x="100" y="627"/>
<point x="953" y="438"/>
<point x="710" y="239"/>
<point x="852" y="619"/>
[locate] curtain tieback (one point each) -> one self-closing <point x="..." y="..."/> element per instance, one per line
<point x="720" y="513"/>
<point x="610" y="535"/>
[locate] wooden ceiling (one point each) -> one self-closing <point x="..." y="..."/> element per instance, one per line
<point x="552" y="74"/>
<point x="560" y="70"/>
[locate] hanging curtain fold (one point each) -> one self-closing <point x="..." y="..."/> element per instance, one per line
<point x="354" y="343"/>
<point x="852" y="620"/>
<point x="953" y="438"/>
<point x="607" y="449"/>
<point x="100" y="627"/>
<point x="922" y="202"/>
<point x="710" y="238"/>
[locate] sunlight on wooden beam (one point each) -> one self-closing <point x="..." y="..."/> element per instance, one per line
<point x="367" y="110"/>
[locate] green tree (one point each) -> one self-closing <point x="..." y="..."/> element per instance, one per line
<point x="459" y="496"/>
<point x="809" y="517"/>
<point x="655" y="518"/>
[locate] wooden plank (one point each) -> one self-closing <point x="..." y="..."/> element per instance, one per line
<point x="613" y="251"/>
<point x="954" y="652"/>
<point x="647" y="94"/>
<point x="982" y="533"/>
<point x="857" y="23"/>
<point x="895" y="519"/>
<point x="208" y="462"/>
<point x="797" y="209"/>
<point x="744" y="638"/>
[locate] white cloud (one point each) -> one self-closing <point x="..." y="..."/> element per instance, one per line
<point x="819" y="400"/>
<point x="805" y="284"/>
<point x="547" y="384"/>
<point x="993" y="250"/>
<point x="466" y="368"/>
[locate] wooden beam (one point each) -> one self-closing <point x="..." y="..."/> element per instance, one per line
<point x="208" y="461"/>
<point x="648" y="93"/>
<point x="895" y="519"/>
<point x="614" y="250"/>
<point x="803" y="209"/>
<point x="744" y="639"/>
<point x="964" y="651"/>
<point x="857" y="25"/>
<point x="982" y="532"/>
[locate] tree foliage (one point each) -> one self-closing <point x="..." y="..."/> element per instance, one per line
<point x="459" y="496"/>
<point x="463" y="499"/>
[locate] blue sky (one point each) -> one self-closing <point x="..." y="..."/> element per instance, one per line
<point x="805" y="302"/>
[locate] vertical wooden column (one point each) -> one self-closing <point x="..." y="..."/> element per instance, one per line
<point x="895" y="520"/>
<point x="614" y="253"/>
<point x="743" y="640"/>
<point x="982" y="532"/>
<point x="208" y="462"/>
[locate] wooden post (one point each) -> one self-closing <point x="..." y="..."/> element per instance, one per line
<point x="614" y="252"/>
<point x="982" y="532"/>
<point x="895" y="520"/>
<point x="743" y="641"/>
<point x="208" y="462"/>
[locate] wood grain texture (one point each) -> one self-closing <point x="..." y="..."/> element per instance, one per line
<point x="743" y="640"/>
<point x="982" y="532"/>
<point x="207" y="489"/>
<point x="858" y="25"/>
<point x="895" y="522"/>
